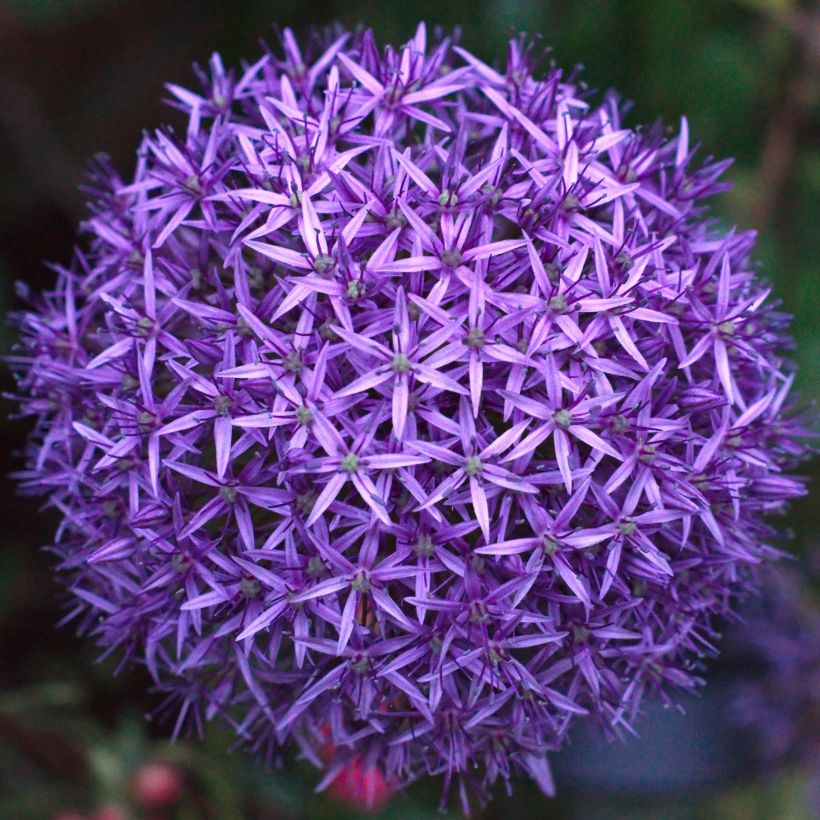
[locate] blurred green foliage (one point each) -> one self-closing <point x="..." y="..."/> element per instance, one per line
<point x="81" y="76"/>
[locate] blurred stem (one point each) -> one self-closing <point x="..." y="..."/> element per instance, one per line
<point x="798" y="99"/>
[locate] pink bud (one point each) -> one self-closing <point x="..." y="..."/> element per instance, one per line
<point x="157" y="784"/>
<point x="364" y="788"/>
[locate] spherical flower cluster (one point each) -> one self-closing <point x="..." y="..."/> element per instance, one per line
<point x="779" y="704"/>
<point x="408" y="407"/>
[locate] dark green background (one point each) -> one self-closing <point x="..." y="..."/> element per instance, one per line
<point x="82" y="76"/>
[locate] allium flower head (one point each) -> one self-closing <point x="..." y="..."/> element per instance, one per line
<point x="408" y="406"/>
<point x="779" y="706"/>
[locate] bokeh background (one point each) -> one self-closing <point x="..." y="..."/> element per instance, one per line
<point x="82" y="76"/>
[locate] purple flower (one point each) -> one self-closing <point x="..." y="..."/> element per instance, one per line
<point x="408" y="407"/>
<point x="778" y="704"/>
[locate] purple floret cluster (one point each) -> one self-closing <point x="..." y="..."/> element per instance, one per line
<point x="406" y="409"/>
<point x="779" y="703"/>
